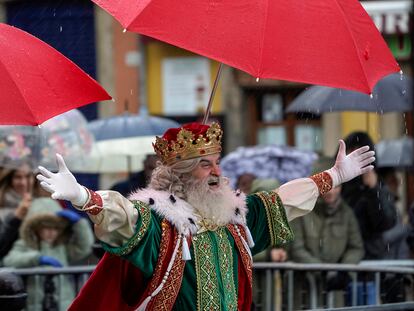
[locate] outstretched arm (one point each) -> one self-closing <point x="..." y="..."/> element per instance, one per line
<point x="299" y="196"/>
<point x="114" y="216"/>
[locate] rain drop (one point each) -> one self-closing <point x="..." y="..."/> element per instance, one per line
<point x="113" y="99"/>
<point x="60" y="29"/>
<point x="257" y="79"/>
<point x="401" y="74"/>
<point x="131" y="91"/>
<point x="403" y="92"/>
<point x="371" y="96"/>
<point x="124" y="31"/>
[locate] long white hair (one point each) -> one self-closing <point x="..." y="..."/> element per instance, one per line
<point x="173" y="178"/>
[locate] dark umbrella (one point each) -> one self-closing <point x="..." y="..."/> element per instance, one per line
<point x="395" y="153"/>
<point x="391" y="94"/>
<point x="129" y="125"/>
<point x="122" y="142"/>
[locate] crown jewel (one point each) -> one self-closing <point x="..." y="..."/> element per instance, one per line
<point x="190" y="141"/>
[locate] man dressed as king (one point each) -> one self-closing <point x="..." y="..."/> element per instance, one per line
<point x="186" y="241"/>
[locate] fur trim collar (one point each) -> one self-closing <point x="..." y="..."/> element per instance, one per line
<point x="180" y="213"/>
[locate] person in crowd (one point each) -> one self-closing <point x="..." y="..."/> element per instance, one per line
<point x="395" y="238"/>
<point x="330" y="234"/>
<point x="186" y="241"/>
<point x="244" y="182"/>
<point x="9" y="227"/>
<point x="16" y="187"/>
<point x="15" y="200"/>
<point x="138" y="180"/>
<point x="54" y="237"/>
<point x="410" y="237"/>
<point x="370" y="202"/>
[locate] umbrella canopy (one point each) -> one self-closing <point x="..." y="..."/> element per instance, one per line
<point x="66" y="134"/>
<point x="397" y="153"/>
<point x="123" y="141"/>
<point x="391" y="94"/>
<point x="270" y="161"/>
<point x="326" y="42"/>
<point x="37" y="82"/>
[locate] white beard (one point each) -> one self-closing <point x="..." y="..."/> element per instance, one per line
<point x="216" y="206"/>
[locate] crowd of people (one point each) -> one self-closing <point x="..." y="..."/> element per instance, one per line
<point x="354" y="221"/>
<point x="36" y="231"/>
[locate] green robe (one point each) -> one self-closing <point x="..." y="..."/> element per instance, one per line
<point x="210" y="279"/>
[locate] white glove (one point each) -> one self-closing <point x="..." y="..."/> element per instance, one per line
<point x="62" y="185"/>
<point x="352" y="165"/>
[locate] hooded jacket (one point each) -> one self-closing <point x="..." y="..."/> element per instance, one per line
<point x="73" y="243"/>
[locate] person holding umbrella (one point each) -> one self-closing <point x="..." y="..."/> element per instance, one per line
<point x="371" y="203"/>
<point x="187" y="240"/>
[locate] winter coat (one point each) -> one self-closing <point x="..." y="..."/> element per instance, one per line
<point x="375" y="213"/>
<point x="320" y="238"/>
<point x="74" y="243"/>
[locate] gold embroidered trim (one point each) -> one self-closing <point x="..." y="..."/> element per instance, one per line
<point x="208" y="295"/>
<point x="166" y="297"/>
<point x="245" y="257"/>
<point x="323" y="181"/>
<point x="279" y="229"/>
<point x="165" y="241"/>
<point x="226" y="269"/>
<point x="145" y="216"/>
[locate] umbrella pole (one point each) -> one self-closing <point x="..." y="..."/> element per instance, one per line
<point x="213" y="91"/>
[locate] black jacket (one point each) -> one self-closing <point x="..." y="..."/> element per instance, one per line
<point x="9" y="233"/>
<point x="375" y="212"/>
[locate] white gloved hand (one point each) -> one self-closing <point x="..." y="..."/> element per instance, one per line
<point x="62" y="185"/>
<point x="352" y="165"/>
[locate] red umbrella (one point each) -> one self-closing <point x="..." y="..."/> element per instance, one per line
<point x="37" y="82"/>
<point x="328" y="42"/>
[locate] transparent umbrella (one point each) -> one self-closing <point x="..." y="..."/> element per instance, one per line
<point x="66" y="134"/>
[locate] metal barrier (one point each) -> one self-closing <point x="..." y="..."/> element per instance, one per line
<point x="403" y="306"/>
<point x="281" y="284"/>
<point x="278" y="288"/>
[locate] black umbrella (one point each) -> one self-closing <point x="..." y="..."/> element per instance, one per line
<point x="391" y="94"/>
<point x="395" y="153"/>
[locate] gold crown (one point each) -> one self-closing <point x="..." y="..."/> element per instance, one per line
<point x="188" y="145"/>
